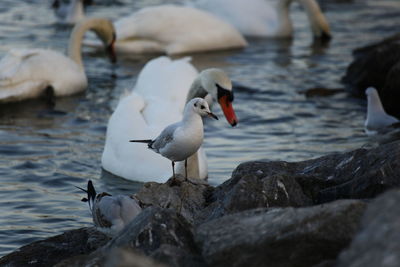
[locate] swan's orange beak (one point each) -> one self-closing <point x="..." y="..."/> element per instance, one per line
<point x="227" y="108"/>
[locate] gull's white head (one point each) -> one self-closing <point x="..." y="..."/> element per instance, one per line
<point x="217" y="83"/>
<point x="200" y="106"/>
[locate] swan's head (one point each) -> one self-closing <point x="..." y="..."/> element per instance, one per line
<point x="105" y="30"/>
<point x="200" y="106"/>
<point x="217" y="83"/>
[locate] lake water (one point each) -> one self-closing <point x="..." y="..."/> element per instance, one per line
<point x="44" y="154"/>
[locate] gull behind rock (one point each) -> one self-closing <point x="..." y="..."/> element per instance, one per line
<point x="377" y="118"/>
<point x="110" y="213"/>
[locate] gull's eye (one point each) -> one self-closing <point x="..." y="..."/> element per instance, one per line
<point x="195" y="104"/>
<point x="202" y="107"/>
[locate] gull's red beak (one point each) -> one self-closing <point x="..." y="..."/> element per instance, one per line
<point x="227" y="108"/>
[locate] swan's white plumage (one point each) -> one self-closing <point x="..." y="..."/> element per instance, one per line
<point x="25" y="73"/>
<point x="172" y="30"/>
<point x="250" y="17"/>
<point x="265" y="18"/>
<point x="157" y="100"/>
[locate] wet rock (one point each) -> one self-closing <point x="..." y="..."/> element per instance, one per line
<point x="377" y="244"/>
<point x="377" y="65"/>
<point x="280" y="236"/>
<point x="185" y="197"/>
<point x="161" y="234"/>
<point x="50" y="251"/>
<point x="362" y="173"/>
<point x="118" y="257"/>
<point x="254" y="189"/>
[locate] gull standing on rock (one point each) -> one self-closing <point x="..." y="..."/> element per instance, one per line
<point x="110" y="213"/>
<point x="180" y="140"/>
<point x="377" y="118"/>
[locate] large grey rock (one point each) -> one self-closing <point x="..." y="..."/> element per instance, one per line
<point x="280" y="236"/>
<point x="377" y="65"/>
<point x="184" y="197"/>
<point x="161" y="234"/>
<point x="117" y="257"/>
<point x="254" y="189"/>
<point x="362" y="173"/>
<point x="378" y="242"/>
<point x="50" y="251"/>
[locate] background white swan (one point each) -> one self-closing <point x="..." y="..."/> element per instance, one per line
<point x="162" y="85"/>
<point x="27" y="73"/>
<point x="171" y="29"/>
<point x="265" y="18"/>
<point x="377" y="118"/>
<point x="68" y="12"/>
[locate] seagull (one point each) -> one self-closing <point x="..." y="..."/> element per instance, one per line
<point x="110" y="213"/>
<point x="180" y="140"/>
<point x="377" y="118"/>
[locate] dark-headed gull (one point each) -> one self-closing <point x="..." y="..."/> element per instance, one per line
<point x="180" y="140"/>
<point x="110" y="213"/>
<point x="377" y="118"/>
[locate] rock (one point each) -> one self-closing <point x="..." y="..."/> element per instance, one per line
<point x="187" y="198"/>
<point x="280" y="236"/>
<point x="362" y="173"/>
<point x="377" y="65"/>
<point x="50" y="251"/>
<point x="254" y="189"/>
<point x="378" y="242"/>
<point x="161" y="234"/>
<point x="117" y="257"/>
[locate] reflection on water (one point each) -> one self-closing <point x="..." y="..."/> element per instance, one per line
<point x="45" y="153"/>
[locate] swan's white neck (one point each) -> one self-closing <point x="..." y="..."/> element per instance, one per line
<point x="75" y="41"/>
<point x="316" y="18"/>
<point x="196" y="90"/>
<point x="285" y="27"/>
<point x="76" y="11"/>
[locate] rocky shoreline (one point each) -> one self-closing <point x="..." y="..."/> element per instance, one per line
<point x="336" y="210"/>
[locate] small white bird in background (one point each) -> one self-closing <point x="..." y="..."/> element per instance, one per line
<point x="377" y="118"/>
<point x="28" y="73"/>
<point x="68" y="12"/>
<point x="110" y="213"/>
<point x="180" y="140"/>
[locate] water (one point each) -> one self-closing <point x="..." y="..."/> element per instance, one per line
<point x="44" y="154"/>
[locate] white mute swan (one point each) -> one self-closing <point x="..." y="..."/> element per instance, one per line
<point x="68" y="12"/>
<point x="158" y="99"/>
<point x="264" y="19"/>
<point x="170" y="30"/>
<point x="377" y="118"/>
<point x="28" y="73"/>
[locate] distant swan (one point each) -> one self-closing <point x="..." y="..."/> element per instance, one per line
<point x="68" y="12"/>
<point x="163" y="85"/>
<point x="28" y="73"/>
<point x="263" y="19"/>
<point x="171" y="30"/>
<point x="377" y="118"/>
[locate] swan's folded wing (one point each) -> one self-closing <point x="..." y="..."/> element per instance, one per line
<point x="11" y="71"/>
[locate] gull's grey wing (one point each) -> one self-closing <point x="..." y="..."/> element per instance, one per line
<point x="166" y="136"/>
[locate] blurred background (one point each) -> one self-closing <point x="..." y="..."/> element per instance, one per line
<point x="44" y="153"/>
